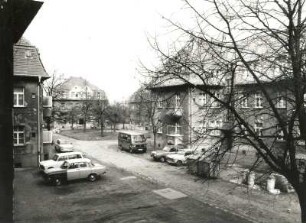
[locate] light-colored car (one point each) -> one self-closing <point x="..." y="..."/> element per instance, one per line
<point x="73" y="170"/>
<point x="160" y="155"/>
<point x="58" y="159"/>
<point x="179" y="158"/>
<point x="63" y="146"/>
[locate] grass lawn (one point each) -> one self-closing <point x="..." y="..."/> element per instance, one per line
<point x="89" y="134"/>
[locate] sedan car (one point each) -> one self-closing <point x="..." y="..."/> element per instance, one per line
<point x="62" y="146"/>
<point x="160" y="155"/>
<point x="58" y="159"/>
<point x="179" y="158"/>
<point x="73" y="170"/>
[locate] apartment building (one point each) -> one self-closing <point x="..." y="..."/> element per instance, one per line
<point x="29" y="75"/>
<point x="191" y="116"/>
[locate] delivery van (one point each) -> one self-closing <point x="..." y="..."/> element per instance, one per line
<point x="132" y="141"/>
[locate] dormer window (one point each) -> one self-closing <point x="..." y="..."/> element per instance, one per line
<point x="28" y="54"/>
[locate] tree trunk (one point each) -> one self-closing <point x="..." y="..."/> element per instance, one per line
<point x="102" y="125"/>
<point x="84" y="129"/>
<point x="154" y="140"/>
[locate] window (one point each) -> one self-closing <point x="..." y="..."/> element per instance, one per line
<point x="160" y="103"/>
<point x="245" y="100"/>
<point x="159" y="129"/>
<point x="82" y="164"/>
<point x="214" y="102"/>
<point x="19" y="135"/>
<point x="243" y="130"/>
<point x="63" y="158"/>
<point x="258" y="128"/>
<point x="215" y="126"/>
<point x="280" y="103"/>
<point x="174" y="129"/>
<point x="18" y="97"/>
<point x="258" y="100"/>
<point x="177" y="101"/>
<point x="201" y="128"/>
<point x="279" y="134"/>
<point x="202" y="99"/>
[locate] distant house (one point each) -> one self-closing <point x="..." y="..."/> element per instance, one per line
<point x="74" y="94"/>
<point x="29" y="75"/>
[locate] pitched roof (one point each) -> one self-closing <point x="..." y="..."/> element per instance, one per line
<point x="78" y="81"/>
<point x="27" y="60"/>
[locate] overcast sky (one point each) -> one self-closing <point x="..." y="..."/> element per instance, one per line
<point x="100" y="40"/>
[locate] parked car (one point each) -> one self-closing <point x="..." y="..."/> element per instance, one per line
<point x="132" y="141"/>
<point x="179" y="158"/>
<point x="63" y="146"/>
<point x="58" y="159"/>
<point x="73" y="170"/>
<point x="160" y="155"/>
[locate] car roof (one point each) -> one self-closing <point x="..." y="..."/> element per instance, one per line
<point x="132" y="133"/>
<point x="79" y="160"/>
<point x="69" y="153"/>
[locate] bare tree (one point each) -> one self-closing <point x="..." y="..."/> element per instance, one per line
<point x="87" y="104"/>
<point x="145" y="105"/>
<point x="52" y="85"/>
<point x="99" y="110"/>
<point x="242" y="48"/>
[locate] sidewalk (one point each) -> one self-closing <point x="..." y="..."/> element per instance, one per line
<point x="255" y="205"/>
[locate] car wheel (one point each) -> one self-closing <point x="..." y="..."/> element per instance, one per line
<point x="162" y="159"/>
<point x="57" y="182"/>
<point x="131" y="150"/>
<point x="179" y="163"/>
<point x="92" y="177"/>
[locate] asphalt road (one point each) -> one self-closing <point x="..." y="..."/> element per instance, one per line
<point x="117" y="197"/>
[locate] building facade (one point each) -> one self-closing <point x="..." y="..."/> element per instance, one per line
<point x="29" y="75"/>
<point x="190" y="115"/>
<point x="76" y="99"/>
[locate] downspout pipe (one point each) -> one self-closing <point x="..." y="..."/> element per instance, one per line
<point x="39" y="152"/>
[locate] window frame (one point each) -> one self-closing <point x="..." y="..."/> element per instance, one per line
<point x="202" y="99"/>
<point x="258" y="98"/>
<point x="258" y="129"/>
<point x="18" y="94"/>
<point x="214" y="102"/>
<point x="280" y="102"/>
<point x="20" y="141"/>
<point x="244" y="100"/>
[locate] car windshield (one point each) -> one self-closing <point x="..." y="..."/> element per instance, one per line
<point x="55" y="157"/>
<point x="138" y="138"/>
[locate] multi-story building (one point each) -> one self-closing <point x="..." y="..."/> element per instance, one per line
<point x="190" y="115"/>
<point x="29" y="75"/>
<point x="139" y="106"/>
<point x="76" y="96"/>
